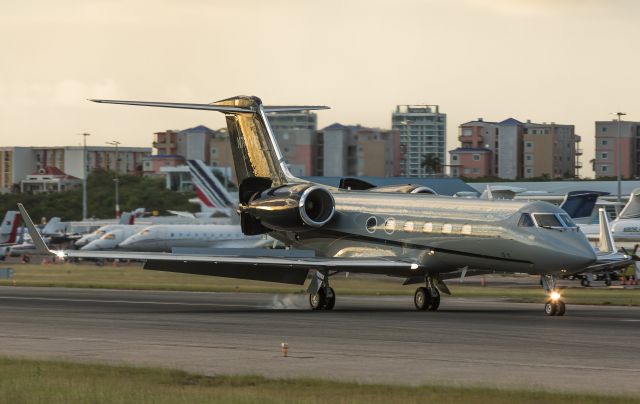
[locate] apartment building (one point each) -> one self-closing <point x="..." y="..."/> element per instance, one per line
<point x="512" y="149"/>
<point x="423" y="131"/>
<point x="354" y="150"/>
<point x="296" y="135"/>
<point x="606" y="159"/>
<point x="16" y="163"/>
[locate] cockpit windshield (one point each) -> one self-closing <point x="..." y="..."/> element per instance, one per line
<point x="567" y="220"/>
<point x="548" y="220"/>
<point x="526" y="221"/>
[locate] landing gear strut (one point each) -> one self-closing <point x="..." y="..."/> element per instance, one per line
<point x="554" y="305"/>
<point x="324" y="298"/>
<point x="427" y="298"/>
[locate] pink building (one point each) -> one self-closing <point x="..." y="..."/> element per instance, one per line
<point x="470" y="162"/>
<point x="606" y="159"/>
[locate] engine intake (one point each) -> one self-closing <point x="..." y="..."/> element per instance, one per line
<point x="298" y="207"/>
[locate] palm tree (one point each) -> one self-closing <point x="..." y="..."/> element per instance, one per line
<point x="431" y="163"/>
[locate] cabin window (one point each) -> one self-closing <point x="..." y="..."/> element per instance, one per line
<point x="427" y="228"/>
<point x="408" y="226"/>
<point x="390" y="226"/>
<point x="547" y="220"/>
<point x="372" y="222"/>
<point x="466" y="229"/>
<point x="446" y="228"/>
<point x="526" y="220"/>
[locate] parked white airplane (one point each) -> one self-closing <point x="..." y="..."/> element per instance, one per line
<point x="127" y="219"/>
<point x="111" y="238"/>
<point x="625" y="228"/>
<point x="166" y="237"/>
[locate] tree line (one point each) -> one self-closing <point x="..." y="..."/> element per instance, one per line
<point x="135" y="192"/>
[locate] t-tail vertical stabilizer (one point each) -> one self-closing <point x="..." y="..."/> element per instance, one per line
<point x="253" y="145"/>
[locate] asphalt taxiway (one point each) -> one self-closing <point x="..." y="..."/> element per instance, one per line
<point x="484" y="342"/>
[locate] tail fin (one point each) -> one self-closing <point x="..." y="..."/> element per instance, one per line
<point x="9" y="227"/>
<point x="632" y="208"/>
<point x="54" y="226"/>
<point x="254" y="148"/>
<point x="210" y="191"/>
<point x="606" y="244"/>
<point x="579" y="204"/>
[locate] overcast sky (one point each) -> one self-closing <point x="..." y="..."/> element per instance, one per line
<point x="567" y="61"/>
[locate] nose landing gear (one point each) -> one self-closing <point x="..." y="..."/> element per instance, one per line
<point x="554" y="305"/>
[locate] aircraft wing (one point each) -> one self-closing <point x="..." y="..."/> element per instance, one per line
<point x="609" y="262"/>
<point x="292" y="270"/>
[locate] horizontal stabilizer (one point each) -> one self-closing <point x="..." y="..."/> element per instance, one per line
<point x="213" y="107"/>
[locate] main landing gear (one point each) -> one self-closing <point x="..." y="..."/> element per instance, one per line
<point x="427" y="298"/>
<point x="554" y="305"/>
<point x="324" y="298"/>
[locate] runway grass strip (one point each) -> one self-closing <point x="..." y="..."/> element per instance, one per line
<point x="133" y="277"/>
<point x="53" y="382"/>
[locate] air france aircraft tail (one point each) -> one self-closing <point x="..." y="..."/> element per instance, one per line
<point x="208" y="188"/>
<point x="9" y="227"/>
<point x="127" y="218"/>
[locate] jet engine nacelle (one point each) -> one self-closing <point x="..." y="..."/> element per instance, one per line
<point x="297" y="207"/>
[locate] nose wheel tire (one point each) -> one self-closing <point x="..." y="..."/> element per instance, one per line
<point x="555" y="308"/>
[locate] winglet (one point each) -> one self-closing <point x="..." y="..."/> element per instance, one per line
<point x="41" y="246"/>
<point x="606" y="243"/>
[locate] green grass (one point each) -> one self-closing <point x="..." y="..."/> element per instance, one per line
<point x="134" y="278"/>
<point x="52" y="382"/>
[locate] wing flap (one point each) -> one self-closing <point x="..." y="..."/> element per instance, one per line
<point x="268" y="273"/>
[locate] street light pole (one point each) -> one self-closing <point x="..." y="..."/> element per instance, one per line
<point x="619" y="155"/>
<point x="84" y="176"/>
<point x="116" y="179"/>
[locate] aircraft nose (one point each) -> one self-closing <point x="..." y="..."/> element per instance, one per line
<point x="579" y="256"/>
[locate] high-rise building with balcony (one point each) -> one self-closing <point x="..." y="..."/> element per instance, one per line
<point x="423" y="131"/>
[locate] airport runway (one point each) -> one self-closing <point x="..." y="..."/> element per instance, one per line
<point x="369" y="339"/>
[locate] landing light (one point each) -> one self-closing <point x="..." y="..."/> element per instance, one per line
<point x="59" y="254"/>
<point x="555" y="296"/>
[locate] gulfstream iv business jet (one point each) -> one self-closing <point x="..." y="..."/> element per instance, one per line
<point x="419" y="237"/>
